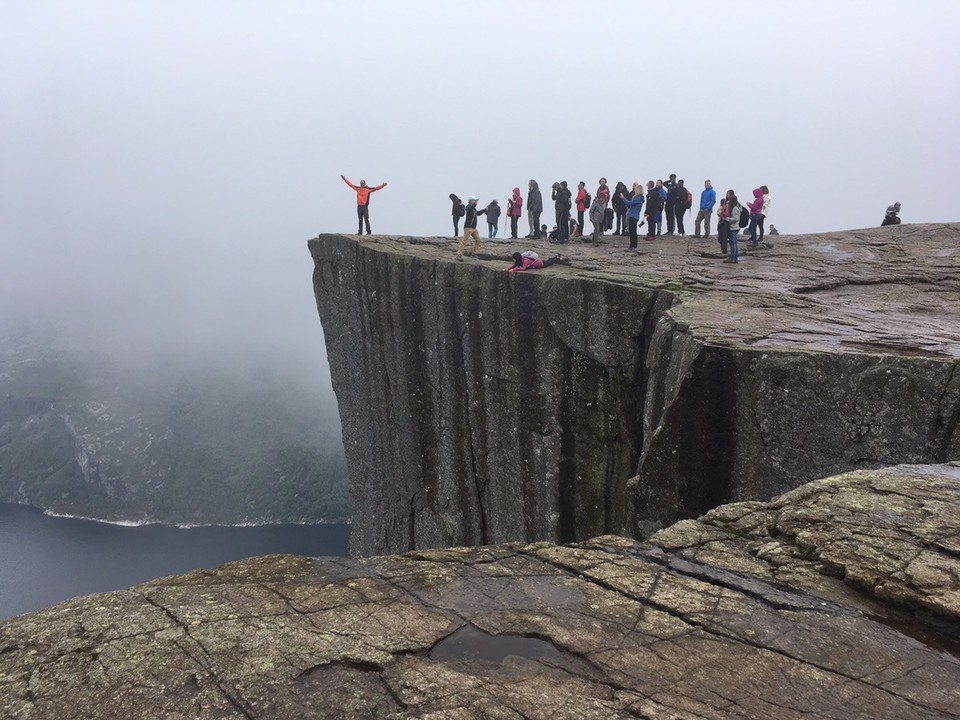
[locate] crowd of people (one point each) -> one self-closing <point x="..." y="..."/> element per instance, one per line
<point x="622" y="211"/>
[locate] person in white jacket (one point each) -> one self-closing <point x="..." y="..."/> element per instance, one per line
<point x="764" y="209"/>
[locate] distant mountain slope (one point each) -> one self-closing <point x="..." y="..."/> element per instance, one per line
<point x="165" y="441"/>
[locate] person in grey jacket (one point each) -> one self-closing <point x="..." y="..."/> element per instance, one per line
<point x="534" y="208"/>
<point x="892" y="216"/>
<point x="493" y="218"/>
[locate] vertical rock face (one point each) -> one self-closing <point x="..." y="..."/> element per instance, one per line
<point x="481" y="407"/>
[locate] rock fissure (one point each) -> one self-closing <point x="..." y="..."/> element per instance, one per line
<point x="197" y="653"/>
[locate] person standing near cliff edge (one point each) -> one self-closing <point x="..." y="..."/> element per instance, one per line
<point x="534" y="208"/>
<point x="470" y="227"/>
<point x="363" y="202"/>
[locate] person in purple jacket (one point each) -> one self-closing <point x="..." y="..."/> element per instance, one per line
<point x="756" y="208"/>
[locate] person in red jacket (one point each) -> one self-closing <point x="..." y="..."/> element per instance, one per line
<point x="583" y="204"/>
<point x="363" y="202"/>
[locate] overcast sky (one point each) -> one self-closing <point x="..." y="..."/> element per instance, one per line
<point x="162" y="164"/>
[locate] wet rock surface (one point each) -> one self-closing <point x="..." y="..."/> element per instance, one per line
<point x="627" y="391"/>
<point x="837" y="600"/>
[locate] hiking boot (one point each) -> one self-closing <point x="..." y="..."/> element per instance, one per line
<point x="730" y="260"/>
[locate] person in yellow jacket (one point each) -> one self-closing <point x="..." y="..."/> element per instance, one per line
<point x="363" y="202"/>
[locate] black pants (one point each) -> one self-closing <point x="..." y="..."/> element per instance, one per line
<point x="456" y="226"/>
<point x="536" y="223"/>
<point x="723" y="229"/>
<point x="680" y="211"/>
<point x="671" y="207"/>
<point x="651" y="225"/>
<point x="580" y="220"/>
<point x="563" y="224"/>
<point x="621" y="222"/>
<point x="760" y="225"/>
<point x="363" y="214"/>
<point x="513" y="226"/>
<point x="633" y="232"/>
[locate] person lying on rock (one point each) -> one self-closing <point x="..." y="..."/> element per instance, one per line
<point x="529" y="260"/>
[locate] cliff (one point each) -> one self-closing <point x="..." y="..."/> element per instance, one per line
<point x="837" y="600"/>
<point x="625" y="392"/>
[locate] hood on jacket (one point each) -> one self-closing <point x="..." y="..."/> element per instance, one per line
<point x="516" y="194"/>
<point x="535" y="186"/>
<point x="758" y="193"/>
<point x="455" y="198"/>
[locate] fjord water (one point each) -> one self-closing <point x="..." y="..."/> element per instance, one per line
<point x="45" y="559"/>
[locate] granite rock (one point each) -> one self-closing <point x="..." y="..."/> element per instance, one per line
<point x="627" y="391"/>
<point x="836" y="600"/>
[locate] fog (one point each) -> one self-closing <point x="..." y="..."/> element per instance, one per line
<point x="164" y="163"/>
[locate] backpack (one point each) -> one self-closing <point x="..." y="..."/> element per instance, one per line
<point x="461" y="210"/>
<point x="744" y="217"/>
<point x="689" y="199"/>
<point x="586" y="201"/>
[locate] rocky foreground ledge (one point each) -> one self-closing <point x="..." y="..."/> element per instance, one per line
<point x="840" y="599"/>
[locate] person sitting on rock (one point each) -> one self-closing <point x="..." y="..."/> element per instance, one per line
<point x="773" y="230"/>
<point x="529" y="260"/>
<point x="893" y="215"/>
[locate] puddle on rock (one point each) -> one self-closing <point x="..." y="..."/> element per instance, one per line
<point x="471" y="644"/>
<point x="935" y="632"/>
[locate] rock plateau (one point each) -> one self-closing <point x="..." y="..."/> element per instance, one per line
<point x="625" y="392"/>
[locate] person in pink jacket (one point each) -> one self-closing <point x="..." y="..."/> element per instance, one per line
<point x="514" y="211"/>
<point x="529" y="260"/>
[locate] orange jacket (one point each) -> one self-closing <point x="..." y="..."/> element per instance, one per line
<point x="363" y="191"/>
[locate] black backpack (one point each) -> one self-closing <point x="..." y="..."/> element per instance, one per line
<point x="744" y="217"/>
<point x="461" y="210"/>
<point x="586" y="200"/>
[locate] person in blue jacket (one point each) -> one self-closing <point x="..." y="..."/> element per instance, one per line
<point x="634" y="207"/>
<point x="708" y="198"/>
